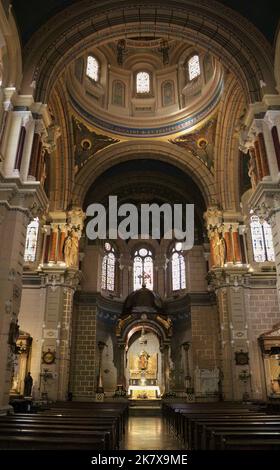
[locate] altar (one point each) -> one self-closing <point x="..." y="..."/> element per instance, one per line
<point x="148" y="392"/>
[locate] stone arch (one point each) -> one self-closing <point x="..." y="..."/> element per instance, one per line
<point x="277" y="59"/>
<point x="162" y="151"/>
<point x="10" y="49"/>
<point x="223" y="32"/>
<point x="136" y="325"/>
<point x="227" y="145"/>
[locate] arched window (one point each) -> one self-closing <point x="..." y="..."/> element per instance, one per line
<point x="143" y="272"/>
<point x="262" y="240"/>
<point x="108" y="268"/>
<point x="31" y="241"/>
<point x="178" y="268"/>
<point x="92" y="68"/>
<point x="143" y="82"/>
<point x="194" y="67"/>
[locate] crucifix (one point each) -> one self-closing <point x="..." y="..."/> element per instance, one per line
<point x="144" y="277"/>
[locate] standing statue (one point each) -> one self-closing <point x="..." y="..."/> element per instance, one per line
<point x="143" y="360"/>
<point x="71" y="250"/>
<point x="219" y="247"/>
<point x="28" y="383"/>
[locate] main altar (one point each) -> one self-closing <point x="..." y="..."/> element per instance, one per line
<point x="143" y="370"/>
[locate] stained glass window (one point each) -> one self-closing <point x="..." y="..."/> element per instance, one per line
<point x="92" y="68"/>
<point x="143" y="269"/>
<point x="143" y="82"/>
<point x="268" y="242"/>
<point x="31" y="241"/>
<point x="178" y="268"/>
<point x="262" y="240"/>
<point x="108" y="268"/>
<point x="194" y="67"/>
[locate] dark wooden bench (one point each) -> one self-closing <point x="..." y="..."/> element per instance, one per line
<point x="86" y="426"/>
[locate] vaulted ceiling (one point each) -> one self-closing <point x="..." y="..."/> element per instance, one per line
<point x="29" y="16"/>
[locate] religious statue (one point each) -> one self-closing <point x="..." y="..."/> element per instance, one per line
<point x="219" y="247"/>
<point x="252" y="170"/>
<point x="28" y="383"/>
<point x="143" y="360"/>
<point x="71" y="250"/>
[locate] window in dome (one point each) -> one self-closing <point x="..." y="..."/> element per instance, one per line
<point x="92" y="68"/>
<point x="194" y="67"/>
<point x="143" y="82"/>
<point x="108" y="268"/>
<point x="143" y="269"/>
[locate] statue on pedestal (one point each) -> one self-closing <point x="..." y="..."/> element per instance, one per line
<point x="219" y="247"/>
<point x="71" y="250"/>
<point x="143" y="360"/>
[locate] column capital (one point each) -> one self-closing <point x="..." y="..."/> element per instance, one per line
<point x="265" y="201"/>
<point x="213" y="217"/>
<point x="8" y="95"/>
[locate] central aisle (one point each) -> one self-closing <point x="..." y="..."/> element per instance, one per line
<point x="149" y="433"/>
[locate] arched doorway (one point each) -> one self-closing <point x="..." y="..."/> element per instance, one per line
<point x="143" y="365"/>
<point x="144" y="334"/>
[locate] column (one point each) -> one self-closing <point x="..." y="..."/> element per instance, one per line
<point x="228" y="241"/>
<point x="5" y="124"/>
<point x="276" y="143"/>
<point x="13" y="139"/>
<point x="160" y="269"/>
<point x="20" y="148"/>
<point x="188" y="379"/>
<point x="258" y="160"/>
<point x="53" y="244"/>
<point x="61" y="241"/>
<point x="99" y="388"/>
<point x="121" y="365"/>
<point x="36" y="149"/>
<point x="271" y="130"/>
<point x="29" y="126"/>
<point x="263" y="154"/>
<point x="237" y="257"/>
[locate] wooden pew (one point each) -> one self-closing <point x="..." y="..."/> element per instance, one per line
<point x="82" y="426"/>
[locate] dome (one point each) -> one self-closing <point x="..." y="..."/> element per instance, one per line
<point x="144" y="87"/>
<point x="141" y="301"/>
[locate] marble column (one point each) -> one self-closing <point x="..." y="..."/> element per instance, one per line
<point x="14" y="131"/>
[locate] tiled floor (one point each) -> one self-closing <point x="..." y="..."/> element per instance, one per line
<point x="149" y="433"/>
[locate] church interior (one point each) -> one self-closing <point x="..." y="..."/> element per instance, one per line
<point x="105" y="340"/>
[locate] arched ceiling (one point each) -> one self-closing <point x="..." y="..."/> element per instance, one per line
<point x="30" y="18"/>
<point x="147" y="181"/>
